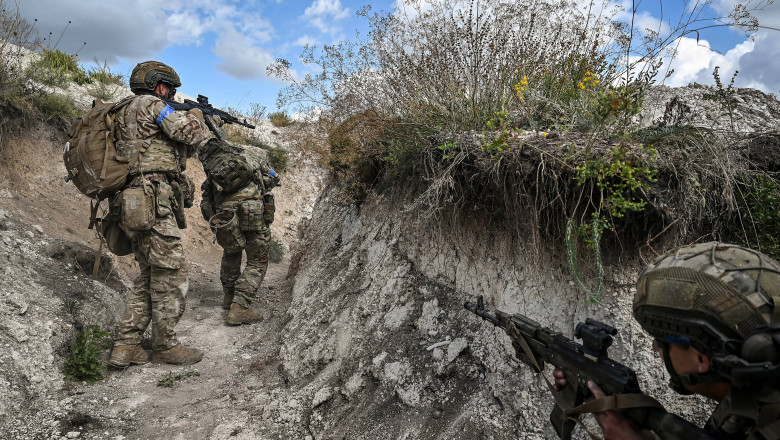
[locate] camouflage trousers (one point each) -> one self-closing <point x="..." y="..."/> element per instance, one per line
<point x="245" y="284"/>
<point x="160" y="290"/>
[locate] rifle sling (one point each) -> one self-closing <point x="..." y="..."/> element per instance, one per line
<point x="616" y="402"/>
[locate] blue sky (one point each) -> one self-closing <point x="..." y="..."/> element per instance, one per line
<point x="221" y="47"/>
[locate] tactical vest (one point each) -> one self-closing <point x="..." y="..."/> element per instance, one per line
<point x="160" y="154"/>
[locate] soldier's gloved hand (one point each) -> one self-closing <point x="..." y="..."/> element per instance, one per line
<point x="197" y="113"/>
<point x="218" y="121"/>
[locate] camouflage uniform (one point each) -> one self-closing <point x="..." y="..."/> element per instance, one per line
<point x="159" y="292"/>
<point x="248" y="204"/>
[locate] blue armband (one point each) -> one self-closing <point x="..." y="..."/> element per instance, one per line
<point x="272" y="173"/>
<point x="166" y="111"/>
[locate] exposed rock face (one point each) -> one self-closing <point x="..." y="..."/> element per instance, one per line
<point x="738" y="110"/>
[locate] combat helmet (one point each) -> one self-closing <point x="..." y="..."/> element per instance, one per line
<point x="146" y="75"/>
<point x="712" y="296"/>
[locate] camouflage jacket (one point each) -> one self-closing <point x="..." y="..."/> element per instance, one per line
<point x="166" y="137"/>
<point x="747" y="415"/>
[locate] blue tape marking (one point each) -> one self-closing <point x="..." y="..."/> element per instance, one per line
<point x="166" y="111"/>
<point x="272" y="173"/>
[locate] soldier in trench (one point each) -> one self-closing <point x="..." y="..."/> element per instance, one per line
<point x="713" y="311"/>
<point x="149" y="209"/>
<point x="244" y="217"/>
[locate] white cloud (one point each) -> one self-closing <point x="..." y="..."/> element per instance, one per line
<point x="695" y="62"/>
<point x="757" y="61"/>
<point x="331" y="8"/>
<point x="241" y="59"/>
<point x="323" y="14"/>
<point x="305" y="39"/>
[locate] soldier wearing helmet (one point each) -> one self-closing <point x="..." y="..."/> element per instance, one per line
<point x="711" y="310"/>
<point x="156" y="141"/>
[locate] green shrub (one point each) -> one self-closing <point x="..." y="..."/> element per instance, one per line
<point x="55" y="68"/>
<point x="53" y="106"/>
<point x="85" y="361"/>
<point x="280" y="119"/>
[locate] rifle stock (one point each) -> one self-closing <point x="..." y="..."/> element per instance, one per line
<point x="536" y="345"/>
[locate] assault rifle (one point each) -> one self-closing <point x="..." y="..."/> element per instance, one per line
<point x="534" y="345"/>
<point x="203" y="104"/>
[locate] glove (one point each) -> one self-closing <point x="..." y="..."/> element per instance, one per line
<point x="197" y="113"/>
<point x="218" y="121"/>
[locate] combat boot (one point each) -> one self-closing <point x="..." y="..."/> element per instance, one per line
<point x="227" y="300"/>
<point x="178" y="355"/>
<point x="124" y="355"/>
<point x="241" y="315"/>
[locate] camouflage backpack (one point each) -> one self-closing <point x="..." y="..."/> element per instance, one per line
<point x="90" y="155"/>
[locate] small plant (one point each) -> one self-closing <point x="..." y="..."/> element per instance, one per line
<point x="278" y="157"/>
<point x="103" y="74"/>
<point x="170" y="380"/>
<point x="726" y="97"/>
<point x="280" y="119"/>
<point x="593" y="231"/>
<point x="497" y="140"/>
<point x="72" y="306"/>
<point x="449" y="150"/>
<point x="85" y="363"/>
<point x="617" y="178"/>
<point x="275" y="251"/>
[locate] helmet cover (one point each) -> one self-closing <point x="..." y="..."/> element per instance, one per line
<point x="147" y="75"/>
<point x="707" y="295"/>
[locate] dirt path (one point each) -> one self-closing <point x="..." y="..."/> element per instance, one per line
<point x="219" y="397"/>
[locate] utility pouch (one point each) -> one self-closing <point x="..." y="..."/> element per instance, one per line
<point x="250" y="215"/>
<point x="138" y="208"/>
<point x="269" y="208"/>
<point x="226" y="228"/>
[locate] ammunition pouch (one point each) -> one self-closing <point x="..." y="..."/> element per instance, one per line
<point x="228" y="232"/>
<point x="137" y="211"/>
<point x="251" y="215"/>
